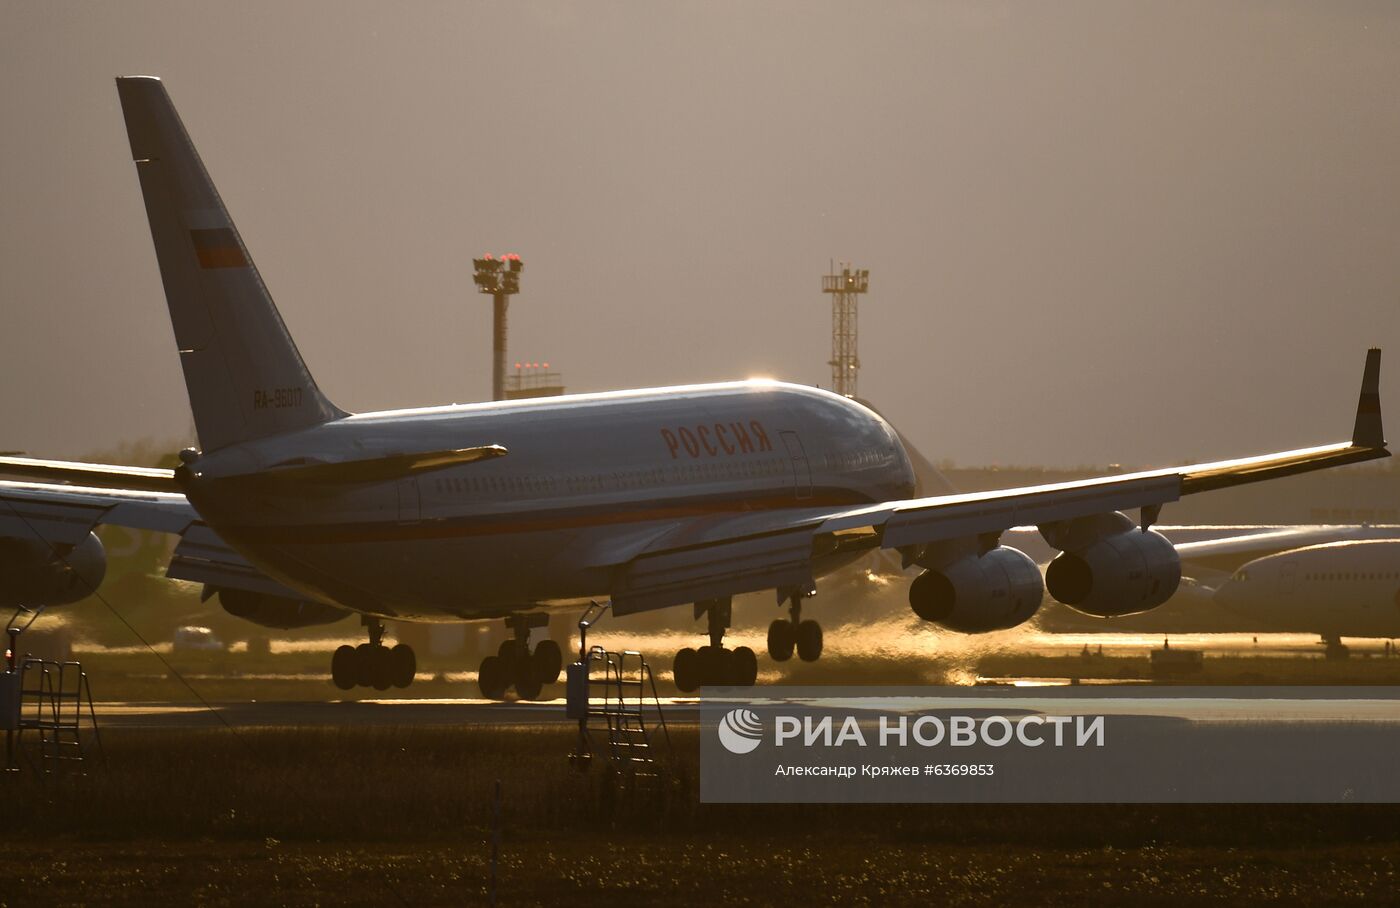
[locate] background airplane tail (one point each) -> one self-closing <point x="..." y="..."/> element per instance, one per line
<point x="243" y="373"/>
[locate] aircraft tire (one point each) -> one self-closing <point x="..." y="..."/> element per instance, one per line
<point x="381" y="668"/>
<point x="745" y="665"/>
<point x="809" y="641"/>
<point x="491" y="678"/>
<point x="528" y="683"/>
<point x="781" y="639"/>
<point x="548" y="661"/>
<point x="717" y="667"/>
<point x="343" y="667"/>
<point x="507" y="649"/>
<point x="685" y="671"/>
<point x="403" y="665"/>
<point x="364" y="665"/>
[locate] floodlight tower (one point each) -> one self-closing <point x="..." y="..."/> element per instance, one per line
<point x="501" y="279"/>
<point x="845" y="289"/>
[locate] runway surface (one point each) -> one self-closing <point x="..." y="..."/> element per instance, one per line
<point x="385" y="713"/>
<point x="1269" y="705"/>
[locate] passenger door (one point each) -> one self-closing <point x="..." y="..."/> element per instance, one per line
<point x="801" y="470"/>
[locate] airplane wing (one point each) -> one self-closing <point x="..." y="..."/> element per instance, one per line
<point x="57" y="515"/>
<point x="1229" y="552"/>
<point x="753" y="552"/>
<point x="203" y="557"/>
<point x="718" y="557"/>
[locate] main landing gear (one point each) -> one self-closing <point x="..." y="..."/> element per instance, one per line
<point x="1335" y="648"/>
<point x="713" y="664"/>
<point x="786" y="635"/>
<point x="515" y="665"/>
<point x="373" y="664"/>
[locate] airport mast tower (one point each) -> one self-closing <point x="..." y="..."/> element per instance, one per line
<point x="500" y="278"/>
<point x="846" y="289"/>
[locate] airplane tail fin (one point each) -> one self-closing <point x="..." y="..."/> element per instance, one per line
<point x="243" y="373"/>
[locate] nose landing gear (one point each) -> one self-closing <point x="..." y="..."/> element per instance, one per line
<point x="516" y="665"/>
<point x="713" y="664"/>
<point x="373" y="664"/>
<point x="786" y="635"/>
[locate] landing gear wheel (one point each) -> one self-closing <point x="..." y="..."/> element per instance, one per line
<point x="492" y="678"/>
<point x="714" y="666"/>
<point x="547" y="661"/>
<point x="364" y="664"/>
<point x="528" y="684"/>
<point x="809" y="641"/>
<point x="781" y="639"/>
<point x="685" y="671"/>
<point x="728" y="675"/>
<point x="403" y="665"/>
<point x="343" y="667"/>
<point x="745" y="665"/>
<point x="381" y="668"/>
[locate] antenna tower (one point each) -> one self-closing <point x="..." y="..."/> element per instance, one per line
<point x="846" y="288"/>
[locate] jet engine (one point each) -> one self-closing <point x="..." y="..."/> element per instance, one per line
<point x="33" y="573"/>
<point x="278" y="611"/>
<point x="1121" y="573"/>
<point x="973" y="595"/>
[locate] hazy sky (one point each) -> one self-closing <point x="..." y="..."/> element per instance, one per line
<point x="1134" y="232"/>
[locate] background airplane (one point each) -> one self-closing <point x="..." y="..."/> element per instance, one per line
<point x="1339" y="589"/>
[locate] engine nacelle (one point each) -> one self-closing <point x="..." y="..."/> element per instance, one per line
<point x="33" y="573"/>
<point x="1119" y="574"/>
<point x="278" y="611"/>
<point x="974" y="595"/>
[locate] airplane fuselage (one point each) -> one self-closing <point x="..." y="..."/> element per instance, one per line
<point x="1347" y="589"/>
<point x="584" y="475"/>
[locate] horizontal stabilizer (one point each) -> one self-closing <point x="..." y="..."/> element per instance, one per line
<point x="378" y="469"/>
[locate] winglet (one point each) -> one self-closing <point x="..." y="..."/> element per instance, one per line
<point x="1368" y="432"/>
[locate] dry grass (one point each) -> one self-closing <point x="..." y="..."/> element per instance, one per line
<point x="380" y="816"/>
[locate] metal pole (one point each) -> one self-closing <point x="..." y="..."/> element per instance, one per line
<point x="498" y="347"/>
<point x="14" y="696"/>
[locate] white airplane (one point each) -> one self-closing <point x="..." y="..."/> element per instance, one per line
<point x="293" y="511"/>
<point x="1336" y="590"/>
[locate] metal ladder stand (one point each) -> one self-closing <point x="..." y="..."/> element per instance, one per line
<point x="608" y="694"/>
<point x="47" y="697"/>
